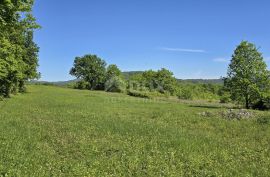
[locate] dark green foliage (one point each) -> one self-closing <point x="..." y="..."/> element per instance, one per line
<point x="91" y="69"/>
<point x="189" y="91"/>
<point x="161" y="81"/>
<point x="18" y="52"/>
<point x="262" y="104"/>
<point x="139" y="94"/>
<point x="82" y="85"/>
<point x="248" y="77"/>
<point x="264" y="120"/>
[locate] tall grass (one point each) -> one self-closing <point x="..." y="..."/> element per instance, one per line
<point x="54" y="131"/>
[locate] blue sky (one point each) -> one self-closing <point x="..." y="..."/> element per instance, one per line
<point x="192" y="38"/>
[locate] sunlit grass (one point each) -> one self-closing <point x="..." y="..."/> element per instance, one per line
<point x="53" y="131"/>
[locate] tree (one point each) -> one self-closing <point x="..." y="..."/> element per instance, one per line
<point x="166" y="80"/>
<point x="91" y="69"/>
<point x="16" y="30"/>
<point x="248" y="78"/>
<point x="112" y="71"/>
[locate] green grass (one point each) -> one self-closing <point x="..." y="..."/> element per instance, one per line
<point x="53" y="131"/>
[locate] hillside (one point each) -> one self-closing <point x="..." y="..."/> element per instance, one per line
<point x="54" y="131"/>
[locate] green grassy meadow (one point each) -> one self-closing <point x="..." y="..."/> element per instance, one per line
<point x="53" y="131"/>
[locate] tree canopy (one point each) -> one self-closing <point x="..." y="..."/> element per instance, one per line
<point x="112" y="71"/>
<point x="248" y="77"/>
<point x="91" y="69"/>
<point x="18" y="52"/>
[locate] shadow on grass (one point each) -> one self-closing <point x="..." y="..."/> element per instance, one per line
<point x="206" y="106"/>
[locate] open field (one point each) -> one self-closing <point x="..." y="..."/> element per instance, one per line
<point x="52" y="131"/>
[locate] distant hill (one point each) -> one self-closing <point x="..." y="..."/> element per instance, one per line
<point x="128" y="74"/>
<point x="202" y="81"/>
<point x="58" y="83"/>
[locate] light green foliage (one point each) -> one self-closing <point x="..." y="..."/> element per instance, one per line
<point x="248" y="77"/>
<point x="54" y="131"/>
<point x="115" y="84"/>
<point x="112" y="71"/>
<point x="91" y="69"/>
<point x="82" y="85"/>
<point x="161" y="81"/>
<point x="190" y="91"/>
<point x="18" y="52"/>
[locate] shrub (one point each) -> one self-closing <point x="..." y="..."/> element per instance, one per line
<point x="185" y="94"/>
<point x="138" y="94"/>
<point x="264" y="120"/>
<point x="262" y="104"/>
<point x="81" y="85"/>
<point x="115" y="84"/>
<point x="225" y="98"/>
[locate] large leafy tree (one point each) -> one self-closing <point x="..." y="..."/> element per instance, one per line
<point x="248" y="77"/>
<point x="16" y="42"/>
<point x="91" y="69"/>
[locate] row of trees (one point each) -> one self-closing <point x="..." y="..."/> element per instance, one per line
<point x="93" y="74"/>
<point x="18" y="52"/>
<point x="247" y="82"/>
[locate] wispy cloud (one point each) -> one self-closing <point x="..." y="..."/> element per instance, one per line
<point x="221" y="60"/>
<point x="183" y="50"/>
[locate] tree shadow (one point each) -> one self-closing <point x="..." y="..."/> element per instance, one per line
<point x="206" y="106"/>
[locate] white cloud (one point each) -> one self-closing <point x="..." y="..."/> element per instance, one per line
<point x="183" y="50"/>
<point x="221" y="60"/>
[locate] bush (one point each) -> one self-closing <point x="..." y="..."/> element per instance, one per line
<point x="138" y="94"/>
<point x="185" y="94"/>
<point x="81" y="85"/>
<point x="115" y="84"/>
<point x="263" y="104"/>
<point x="225" y="98"/>
<point x="264" y="120"/>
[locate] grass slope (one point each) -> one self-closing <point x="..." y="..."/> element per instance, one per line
<point x="53" y="131"/>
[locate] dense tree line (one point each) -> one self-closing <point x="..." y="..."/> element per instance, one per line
<point x="93" y="74"/>
<point x="18" y="52"/>
<point x="247" y="82"/>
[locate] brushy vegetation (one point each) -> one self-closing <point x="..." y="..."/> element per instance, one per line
<point x="247" y="81"/>
<point x="53" y="131"/>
